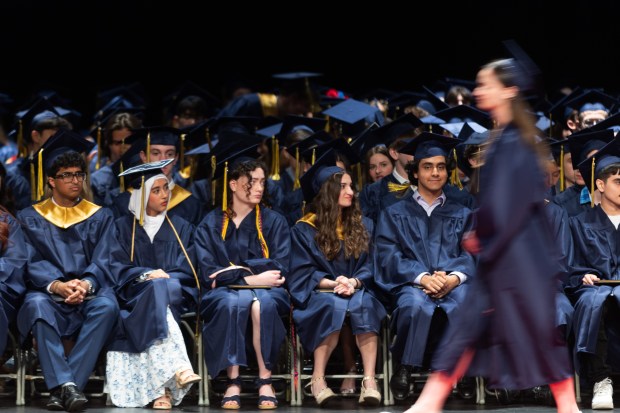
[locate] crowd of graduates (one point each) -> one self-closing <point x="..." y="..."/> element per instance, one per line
<point x="344" y="210"/>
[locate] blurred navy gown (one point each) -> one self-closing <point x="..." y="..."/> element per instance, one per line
<point x="317" y="314"/>
<point x="227" y="329"/>
<point x="511" y="316"/>
<point x="13" y="261"/>
<point x="144" y="304"/>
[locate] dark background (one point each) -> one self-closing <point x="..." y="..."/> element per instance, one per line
<point x="398" y="46"/>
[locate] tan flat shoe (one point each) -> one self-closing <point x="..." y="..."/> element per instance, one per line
<point x="164" y="402"/>
<point x="186" y="377"/>
<point x="369" y="397"/>
<point x="322" y="397"/>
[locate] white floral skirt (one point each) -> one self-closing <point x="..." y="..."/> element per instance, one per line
<point x="136" y="379"/>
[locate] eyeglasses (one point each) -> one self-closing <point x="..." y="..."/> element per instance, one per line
<point x="68" y="177"/>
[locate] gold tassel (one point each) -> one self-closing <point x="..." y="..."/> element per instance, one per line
<point x="122" y="178"/>
<point x="454" y="178"/>
<point x="592" y="183"/>
<point x="176" y="234"/>
<point x="394" y="187"/>
<point x="40" y="175"/>
<point x="148" y="148"/>
<point x="33" y="183"/>
<point x="327" y="124"/>
<point x="261" y="237"/>
<point x="313" y="157"/>
<point x="21" y="149"/>
<point x="98" y="163"/>
<point x="562" y="168"/>
<point x="296" y="183"/>
<point x="213" y="182"/>
<point x="275" y="159"/>
<point x="182" y="150"/>
<point x="303" y="208"/>
<point x="224" y="192"/>
<point x="360" y="181"/>
<point x="143" y="189"/>
<point x="208" y="136"/>
<point x="133" y="239"/>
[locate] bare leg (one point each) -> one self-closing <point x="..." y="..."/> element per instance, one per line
<point x="321" y="356"/>
<point x="368" y="343"/>
<point x="439" y="385"/>
<point x="564" y="394"/>
<point x="263" y="373"/>
<point x="348" y="357"/>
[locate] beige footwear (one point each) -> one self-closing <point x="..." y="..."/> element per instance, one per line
<point x="323" y="396"/>
<point x="369" y="397"/>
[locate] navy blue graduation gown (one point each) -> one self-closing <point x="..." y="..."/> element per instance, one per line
<point x="597" y="251"/>
<point x="563" y="242"/>
<point x="105" y="186"/>
<point x="511" y="315"/>
<point x="19" y="186"/>
<point x="226" y="312"/>
<point x="63" y="254"/>
<point x="13" y="260"/>
<point x="375" y="197"/>
<point x="570" y="200"/>
<point x="409" y="243"/>
<point x="319" y="314"/>
<point x="460" y="196"/>
<point x="201" y="189"/>
<point x="144" y="304"/>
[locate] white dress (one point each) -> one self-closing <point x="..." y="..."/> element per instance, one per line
<point x="136" y="379"/>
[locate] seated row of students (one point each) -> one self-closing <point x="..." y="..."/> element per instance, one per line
<point x="89" y="280"/>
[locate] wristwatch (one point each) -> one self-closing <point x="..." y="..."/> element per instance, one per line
<point x="91" y="290"/>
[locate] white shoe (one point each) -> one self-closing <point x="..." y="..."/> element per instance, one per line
<point x="603" y="395"/>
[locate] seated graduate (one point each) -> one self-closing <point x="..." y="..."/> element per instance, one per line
<point x="420" y="262"/>
<point x="332" y="275"/>
<point x="158" y="143"/>
<point x="150" y="257"/>
<point x="116" y="131"/>
<point x="243" y="252"/>
<point x="595" y="262"/>
<point x="69" y="294"/>
<point x="14" y="255"/>
<point x="379" y="195"/>
<point x="576" y="198"/>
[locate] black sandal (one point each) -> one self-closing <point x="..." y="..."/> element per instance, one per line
<point x="262" y="400"/>
<point x="236" y="399"/>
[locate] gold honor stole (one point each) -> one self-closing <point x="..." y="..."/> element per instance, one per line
<point x="64" y="217"/>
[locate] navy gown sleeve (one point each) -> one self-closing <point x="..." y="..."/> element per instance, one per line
<point x="13" y="261"/>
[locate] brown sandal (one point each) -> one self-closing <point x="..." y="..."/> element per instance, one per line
<point x="164" y="402"/>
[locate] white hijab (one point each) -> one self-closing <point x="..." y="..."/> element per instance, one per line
<point x="151" y="224"/>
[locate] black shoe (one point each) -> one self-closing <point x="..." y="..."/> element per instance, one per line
<point x="55" y="401"/>
<point x="400" y="382"/>
<point x="466" y="387"/>
<point x="72" y="398"/>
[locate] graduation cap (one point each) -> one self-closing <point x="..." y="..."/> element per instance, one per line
<point x="463" y="113"/>
<point x="591" y="167"/>
<point x="581" y="144"/>
<point x="298" y="83"/>
<point x="315" y="177"/>
<point x="129" y="159"/>
<point x="339" y="146"/>
<point x="292" y="123"/>
<point x="58" y="144"/>
<point x="612" y="122"/>
<point x="559" y="111"/>
<point x="133" y="93"/>
<point x="403" y="127"/>
<point x="462" y="130"/>
<point x="427" y="145"/>
<point x="353" y="116"/>
<point x="436" y="101"/>
<point x="525" y="73"/>
<point x="399" y="103"/>
<point x="473" y="139"/>
<point x="138" y="175"/>
<point x="206" y="108"/>
<point x="28" y="119"/>
<point x="592" y="99"/>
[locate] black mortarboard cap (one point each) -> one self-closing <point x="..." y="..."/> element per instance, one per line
<point x="292" y="123"/>
<point x="311" y="142"/>
<point x="312" y="180"/>
<point x="559" y="112"/>
<point x="435" y="100"/>
<point x="592" y="99"/>
<point x="351" y="112"/>
<point x="581" y="144"/>
<point x="403" y="127"/>
<point x="135" y="174"/>
<point x="463" y="113"/>
<point x="427" y="145"/>
<point x="340" y="146"/>
<point x="527" y="75"/>
<point x="189" y="88"/>
<point x="61" y="142"/>
<point x="158" y="135"/>
<point x="398" y="103"/>
<point x="366" y="140"/>
<point x="462" y="130"/>
<point x="477" y="138"/>
<point x="133" y="93"/>
<point x="239" y="152"/>
<point x="606" y="156"/>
